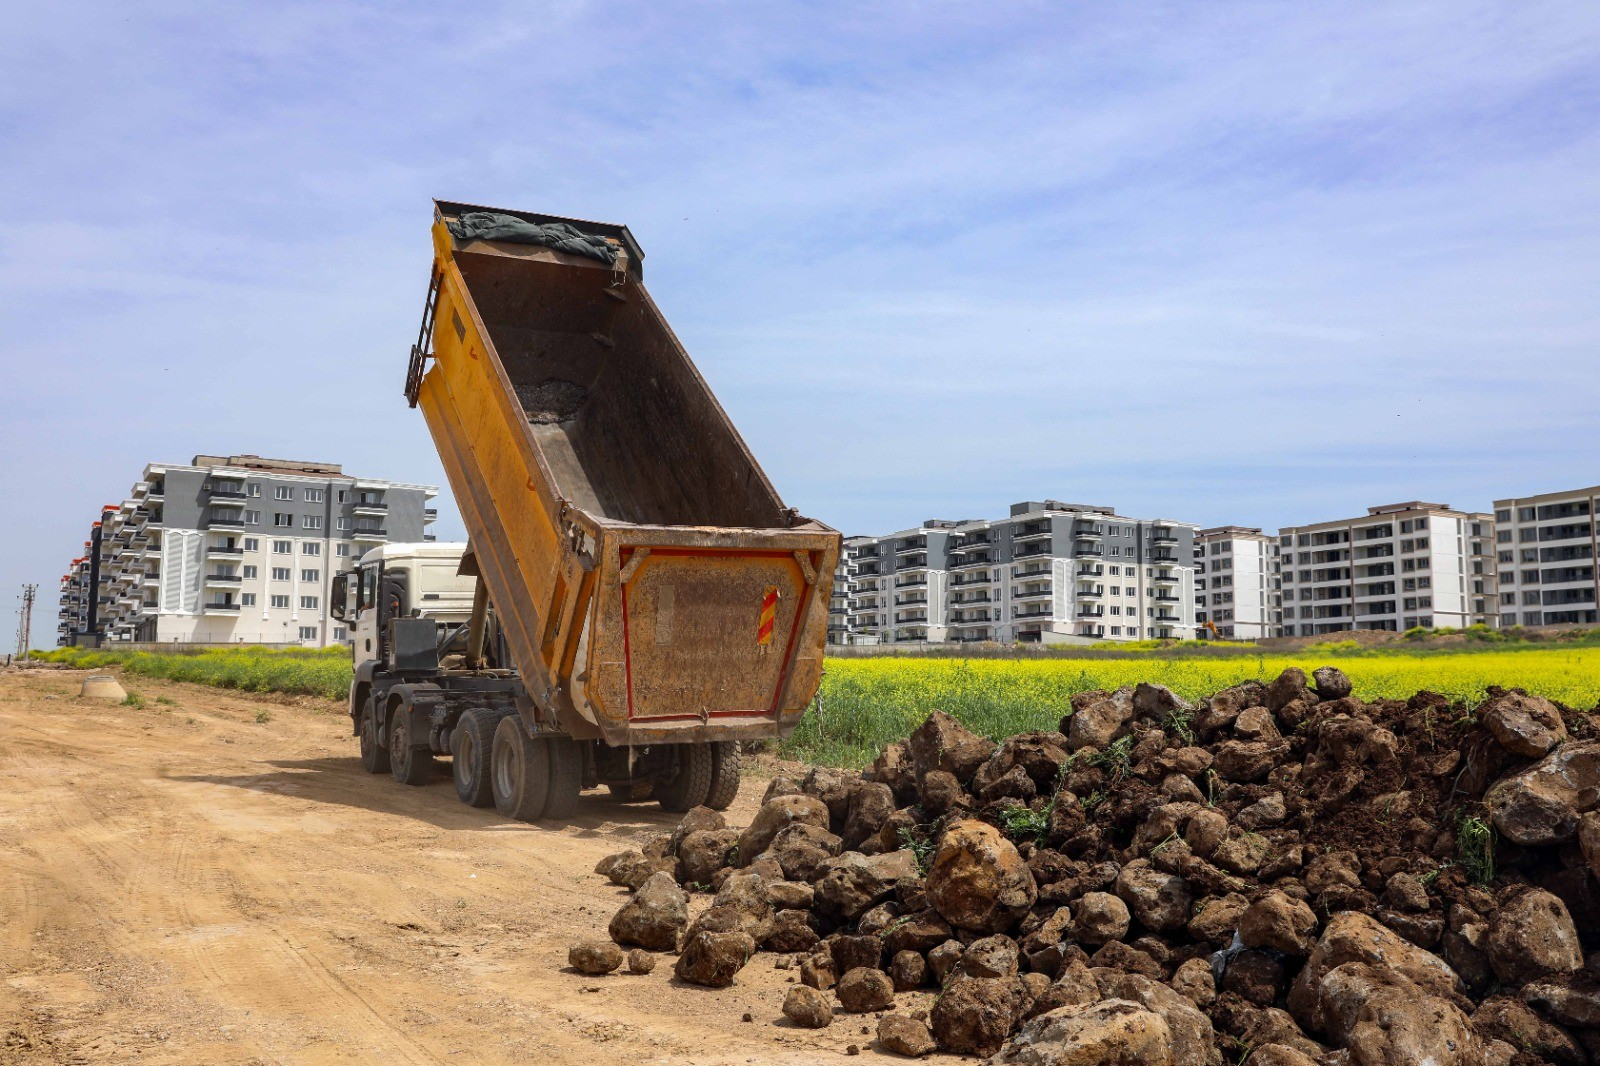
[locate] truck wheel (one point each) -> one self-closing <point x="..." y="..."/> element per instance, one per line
<point x="726" y="761"/>
<point x="470" y="763"/>
<point x="692" y="785"/>
<point x="374" y="757"/>
<point x="408" y="764"/>
<point x="521" y="771"/>
<point x="566" y="778"/>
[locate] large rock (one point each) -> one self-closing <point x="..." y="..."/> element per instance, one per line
<point x="1099" y="723"/>
<point x="1192" y="1036"/>
<point x="792" y="931"/>
<point x="1508" y="1019"/>
<point x="802" y="850"/>
<point x="864" y="990"/>
<point x="1529" y="726"/>
<point x="1532" y="937"/>
<point x="773" y="816"/>
<point x="1039" y="756"/>
<point x="712" y="959"/>
<point x="1159" y="901"/>
<point x="807" y="1008"/>
<point x="1383" y="1019"/>
<point x="594" y="957"/>
<point x="1575" y="1002"/>
<point x="1332" y="683"/>
<point x="1287" y="687"/>
<point x="703" y="852"/>
<point x="740" y="904"/>
<point x="654" y="917"/>
<point x="698" y="820"/>
<point x="1589" y="840"/>
<point x="942" y="743"/>
<point x="854" y="883"/>
<point x="1099" y="918"/>
<point x="899" y="1034"/>
<point x="920" y="932"/>
<point x="871" y="804"/>
<point x="1539" y="806"/>
<point x="1354" y="937"/>
<point x="1113" y="1032"/>
<point x="978" y="881"/>
<point x="974" y="1015"/>
<point x="1279" y="922"/>
<point x="833" y="787"/>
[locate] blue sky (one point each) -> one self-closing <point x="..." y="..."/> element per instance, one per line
<point x="1257" y="263"/>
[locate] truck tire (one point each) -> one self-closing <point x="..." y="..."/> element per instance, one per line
<point x="471" y="761"/>
<point x="520" y="776"/>
<point x="374" y="756"/>
<point x="566" y="778"/>
<point x="726" y="761"/>
<point x="409" y="764"/>
<point x="692" y="784"/>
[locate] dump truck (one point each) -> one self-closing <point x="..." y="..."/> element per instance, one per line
<point x="641" y="601"/>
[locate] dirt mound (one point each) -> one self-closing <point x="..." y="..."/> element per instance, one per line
<point x="1280" y="871"/>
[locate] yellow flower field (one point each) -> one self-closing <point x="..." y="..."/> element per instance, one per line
<point x="867" y="702"/>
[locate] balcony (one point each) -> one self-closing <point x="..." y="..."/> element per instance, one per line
<point x="1083" y="549"/>
<point x="1091" y="612"/>
<point x="223" y="495"/>
<point x="1033" y="549"/>
<point x="1165" y="577"/>
<point x="224" y="579"/>
<point x="913" y="545"/>
<point x="1032" y="612"/>
<point x="369" y="533"/>
<point x="1091" y="570"/>
<point x="225" y="551"/>
<point x="967" y="543"/>
<point x="912" y="582"/>
<point x="1162" y="535"/>
<point x="915" y="562"/>
<point x="1088" y="533"/>
<point x="221" y="607"/>
<point x="1166" y="616"/>
<point x="978" y="560"/>
<point x="1030" y="594"/>
<point x="1165" y="597"/>
<point x="1030" y="531"/>
<point x="430" y="514"/>
<point x="970" y="600"/>
<point x="1161" y="555"/>
<point x="1091" y="592"/>
<point x="908" y="601"/>
<point x="226" y="521"/>
<point x="371" y="507"/>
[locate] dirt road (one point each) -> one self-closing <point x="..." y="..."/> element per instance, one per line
<point x="211" y="878"/>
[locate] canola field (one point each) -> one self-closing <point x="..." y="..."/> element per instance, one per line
<point x="866" y="703"/>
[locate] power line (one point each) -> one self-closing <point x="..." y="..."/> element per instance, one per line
<point x="25" y="622"/>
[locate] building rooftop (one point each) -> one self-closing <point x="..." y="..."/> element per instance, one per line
<point x="277" y="466"/>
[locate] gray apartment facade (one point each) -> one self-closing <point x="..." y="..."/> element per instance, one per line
<point x="236" y="549"/>
<point x="1545" y="549"/>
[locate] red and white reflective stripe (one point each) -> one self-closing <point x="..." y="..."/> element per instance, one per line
<point x="769" y="614"/>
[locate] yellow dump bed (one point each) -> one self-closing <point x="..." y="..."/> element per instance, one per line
<point x="651" y="585"/>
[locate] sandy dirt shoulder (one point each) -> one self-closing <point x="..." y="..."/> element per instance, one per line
<point x="211" y="878"/>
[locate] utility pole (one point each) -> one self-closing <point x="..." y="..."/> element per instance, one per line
<point x="25" y="622"/>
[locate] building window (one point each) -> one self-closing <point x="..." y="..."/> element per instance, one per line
<point x="311" y="521"/>
<point x="338" y="632"/>
<point x="280" y="601"/>
<point x="308" y="632"/>
<point x="251" y="544"/>
<point x="315" y="495"/>
<point x="311" y="548"/>
<point x="283" y="547"/>
<point x="254" y="489"/>
<point x="342" y="551"/>
<point x="282" y="520"/>
<point x="308" y="603"/>
<point x="252" y="518"/>
<point x="247" y="599"/>
<point x="283" y="492"/>
<point x="250" y="571"/>
<point x="341" y="495"/>
<point x="280" y="573"/>
<point x="311" y="575"/>
<point x="342" y="523"/>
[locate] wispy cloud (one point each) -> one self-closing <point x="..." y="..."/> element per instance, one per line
<point x="1248" y="262"/>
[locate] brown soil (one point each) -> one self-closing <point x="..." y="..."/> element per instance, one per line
<point x="183" y="884"/>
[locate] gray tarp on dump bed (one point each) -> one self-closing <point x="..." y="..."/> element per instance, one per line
<point x="493" y="226"/>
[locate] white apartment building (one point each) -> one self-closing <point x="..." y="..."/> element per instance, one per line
<point x="898" y="589"/>
<point x="1238" y="584"/>
<point x="843" y="626"/>
<point x="1545" y="550"/>
<point x="1049" y="572"/>
<point x="1395" y="568"/>
<point x="235" y="549"/>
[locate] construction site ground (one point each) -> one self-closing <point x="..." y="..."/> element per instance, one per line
<point x="212" y="878"/>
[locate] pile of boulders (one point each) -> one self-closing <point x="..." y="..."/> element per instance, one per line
<point x="1278" y="875"/>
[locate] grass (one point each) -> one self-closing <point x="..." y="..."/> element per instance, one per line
<point x="1475" y="848"/>
<point x="308" y="672"/>
<point x="866" y="703"/>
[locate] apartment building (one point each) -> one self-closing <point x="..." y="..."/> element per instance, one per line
<point x="1395" y="568"/>
<point x="897" y="594"/>
<point x="1545" y="550"/>
<point x="236" y="549"/>
<point x="843" y="627"/>
<point x="1238" y="587"/>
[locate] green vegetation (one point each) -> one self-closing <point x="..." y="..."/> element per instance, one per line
<point x="868" y="702"/>
<point x="1475" y="848"/>
<point x="134" y="700"/>
<point x="309" y="672"/>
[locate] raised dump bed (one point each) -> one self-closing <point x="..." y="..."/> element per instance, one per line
<point x="648" y="580"/>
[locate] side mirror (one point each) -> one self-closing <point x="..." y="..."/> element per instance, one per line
<point x="339" y="597"/>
